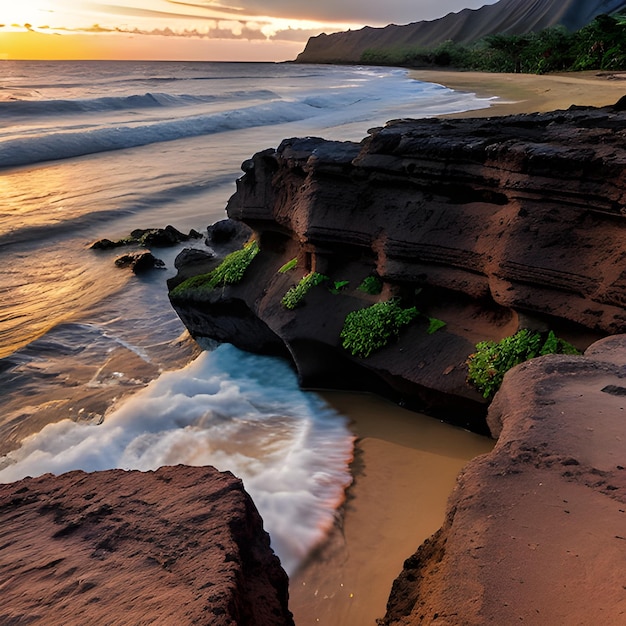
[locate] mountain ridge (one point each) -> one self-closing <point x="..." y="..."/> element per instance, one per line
<point x="510" y="17"/>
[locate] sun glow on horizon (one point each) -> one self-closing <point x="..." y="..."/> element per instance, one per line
<point x="150" y="29"/>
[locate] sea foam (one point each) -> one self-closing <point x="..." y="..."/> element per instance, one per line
<point x="236" y="411"/>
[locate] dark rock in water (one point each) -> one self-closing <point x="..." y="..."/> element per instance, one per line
<point x="193" y="256"/>
<point x="180" y="545"/>
<point x="228" y="231"/>
<point x="139" y="262"/>
<point x="106" y="244"/>
<point x="147" y="237"/>
<point x="162" y="237"/>
<point x="535" y="530"/>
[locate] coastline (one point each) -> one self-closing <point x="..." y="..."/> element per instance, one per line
<point x="530" y="93"/>
<point x="389" y="511"/>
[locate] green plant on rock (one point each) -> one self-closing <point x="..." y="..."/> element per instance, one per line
<point x="229" y="272"/>
<point x="371" y="328"/>
<point x="296" y="294"/>
<point x="290" y="265"/>
<point x="372" y="285"/>
<point x="434" y="325"/>
<point x="338" y="286"/>
<point x="492" y="359"/>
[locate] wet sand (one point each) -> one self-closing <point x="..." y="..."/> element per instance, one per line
<point x="405" y="467"/>
<point x="406" y="464"/>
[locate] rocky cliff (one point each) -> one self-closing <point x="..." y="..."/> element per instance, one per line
<point x="485" y="224"/>
<point x="512" y="17"/>
<point x="181" y="545"/>
<point x="535" y="530"/>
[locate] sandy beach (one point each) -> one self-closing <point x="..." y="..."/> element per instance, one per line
<point x="530" y="93"/>
<point x="405" y="463"/>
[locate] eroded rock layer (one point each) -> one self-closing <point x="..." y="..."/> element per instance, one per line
<point x="486" y="224"/>
<point x="181" y="545"/>
<point x="535" y="530"/>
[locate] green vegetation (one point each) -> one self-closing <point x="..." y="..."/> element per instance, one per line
<point x="434" y="325"/>
<point x="290" y="265"/>
<point x="372" y="285"/>
<point x="296" y="294"/>
<point x="338" y="286"/>
<point x="601" y="45"/>
<point x="369" y="329"/>
<point x="229" y="272"/>
<point x="488" y="365"/>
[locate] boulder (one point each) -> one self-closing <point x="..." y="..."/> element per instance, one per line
<point x="139" y="262"/>
<point x="180" y="545"/>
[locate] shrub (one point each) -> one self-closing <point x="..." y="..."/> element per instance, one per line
<point x="488" y="365"/>
<point x="229" y="272"/>
<point x="296" y="294"/>
<point x="372" y="285"/>
<point x="338" y="286"/>
<point x="370" y="329"/>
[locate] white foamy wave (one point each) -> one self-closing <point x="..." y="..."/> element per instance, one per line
<point x="236" y="411"/>
<point x="25" y="150"/>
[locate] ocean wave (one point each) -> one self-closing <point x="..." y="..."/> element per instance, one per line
<point x="62" y="145"/>
<point x="26" y="107"/>
<point x="236" y="411"/>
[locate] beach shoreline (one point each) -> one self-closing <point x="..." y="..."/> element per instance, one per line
<point x="530" y="93"/>
<point x="383" y="520"/>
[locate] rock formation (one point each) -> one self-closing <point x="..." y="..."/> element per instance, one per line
<point x="535" y="531"/>
<point x="511" y="17"/>
<point x="181" y="545"/>
<point x="487" y="224"/>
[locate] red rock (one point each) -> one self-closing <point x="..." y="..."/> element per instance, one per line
<point x="181" y="545"/>
<point x="536" y="530"/>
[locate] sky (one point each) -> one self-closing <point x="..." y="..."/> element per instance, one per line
<point x="202" y="30"/>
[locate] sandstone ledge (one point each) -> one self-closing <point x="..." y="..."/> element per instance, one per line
<point x="181" y="545"/>
<point x="536" y="530"/>
<point x="487" y="224"/>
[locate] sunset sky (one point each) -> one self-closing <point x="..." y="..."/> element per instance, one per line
<point x="211" y="30"/>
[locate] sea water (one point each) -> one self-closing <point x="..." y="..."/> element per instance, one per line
<point x="96" y="370"/>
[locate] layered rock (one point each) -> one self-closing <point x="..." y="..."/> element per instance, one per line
<point x="535" y="531"/>
<point x="486" y="224"/>
<point x="181" y="545"/>
<point x="511" y="17"/>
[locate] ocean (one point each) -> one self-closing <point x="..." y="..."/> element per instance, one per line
<point x="96" y="370"/>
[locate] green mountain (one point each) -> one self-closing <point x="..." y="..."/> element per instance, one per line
<point x="511" y="17"/>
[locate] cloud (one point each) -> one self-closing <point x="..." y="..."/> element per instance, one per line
<point x="371" y="12"/>
<point x="295" y="34"/>
<point x="131" y="11"/>
<point x="216" y="32"/>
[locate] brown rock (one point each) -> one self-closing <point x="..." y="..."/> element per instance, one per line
<point x="536" y="530"/>
<point x="181" y="545"/>
<point x="487" y="224"/>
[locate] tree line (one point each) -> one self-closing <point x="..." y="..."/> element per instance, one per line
<point x="601" y="45"/>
